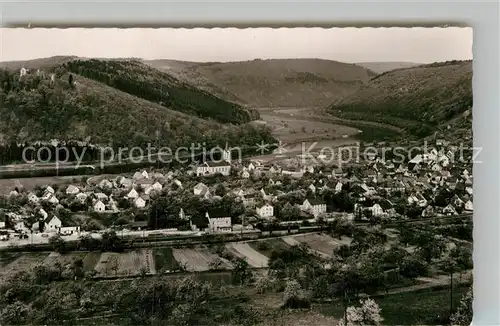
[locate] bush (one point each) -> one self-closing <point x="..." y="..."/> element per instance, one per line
<point x="294" y="297"/>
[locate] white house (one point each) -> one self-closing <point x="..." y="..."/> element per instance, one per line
<point x="377" y="210"/>
<point x="177" y="183"/>
<point x="99" y="206"/>
<point x="314" y="206"/>
<point x="211" y="168"/>
<point x="266" y="211"/>
<point x="200" y="189"/>
<point x="53" y="200"/>
<point x="132" y="194"/>
<point x="245" y="174"/>
<point x="139" y="202"/>
<point x="52" y="225"/>
<point x="72" y="190"/>
<point x="469" y="190"/>
<point x="23" y="72"/>
<point x="469" y="206"/>
<point x="449" y="210"/>
<point x="312" y="188"/>
<point x="140" y="175"/>
<point x="218" y="223"/>
<point x="49" y="189"/>
<point x="338" y="187"/>
<point x="32" y="198"/>
<point x="81" y="197"/>
<point x="43" y="214"/>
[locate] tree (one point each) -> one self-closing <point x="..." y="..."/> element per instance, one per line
<point x="58" y="244"/>
<point x="463" y="314"/>
<point x="17" y="313"/>
<point x="367" y="314"/>
<point x="70" y="80"/>
<point x="88" y="242"/>
<point x="241" y="272"/>
<point x="294" y="296"/>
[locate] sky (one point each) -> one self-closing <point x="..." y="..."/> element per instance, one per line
<point x="420" y="45"/>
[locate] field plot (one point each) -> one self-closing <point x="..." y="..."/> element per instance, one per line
<point x="125" y="264"/>
<point x="55" y="257"/>
<point x="266" y="247"/>
<point x="164" y="260"/>
<point x="253" y="257"/>
<point x="25" y="262"/>
<point x="196" y="260"/>
<point x="321" y="243"/>
<point x="90" y="261"/>
<point x="6" y="185"/>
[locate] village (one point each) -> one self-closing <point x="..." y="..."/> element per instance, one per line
<point x="228" y="196"/>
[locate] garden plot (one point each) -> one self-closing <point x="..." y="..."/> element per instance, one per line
<point x="126" y="264"/>
<point x="23" y="263"/>
<point x="90" y="261"/>
<point x="253" y="257"/>
<point x="321" y="243"/>
<point x="197" y="260"/>
<point x="55" y="257"/>
<point x="268" y="246"/>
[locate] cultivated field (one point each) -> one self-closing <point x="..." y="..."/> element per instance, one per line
<point x="126" y="264"/>
<point x="24" y="262"/>
<point x="320" y="243"/>
<point x="197" y="260"/>
<point x="266" y="247"/>
<point x="244" y="250"/>
<point x="289" y="129"/>
<point x="7" y="185"/>
<point x="55" y="257"/>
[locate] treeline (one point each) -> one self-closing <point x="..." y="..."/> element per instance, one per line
<point x="135" y="78"/>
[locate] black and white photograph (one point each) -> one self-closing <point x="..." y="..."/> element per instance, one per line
<point x="236" y="176"/>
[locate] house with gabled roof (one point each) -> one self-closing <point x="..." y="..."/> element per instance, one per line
<point x="218" y="221"/>
<point x="52" y="224"/>
<point x="314" y="206"/>
<point x="266" y="211"/>
<point x="99" y="206"/>
<point x="133" y="194"/>
<point x="469" y="206"/>
<point x="449" y="210"/>
<point x="72" y="190"/>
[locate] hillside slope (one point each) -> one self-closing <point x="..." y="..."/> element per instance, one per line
<point x="136" y="78"/>
<point x="381" y="67"/>
<point x="273" y="82"/>
<point x="417" y="99"/>
<point x="33" y="108"/>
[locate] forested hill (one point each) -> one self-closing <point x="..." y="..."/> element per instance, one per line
<point x="141" y="80"/>
<point x="418" y="99"/>
<point x="272" y="82"/>
<point x="36" y="108"/>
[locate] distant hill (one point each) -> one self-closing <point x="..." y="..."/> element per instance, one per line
<point x="33" y="108"/>
<point x="418" y="99"/>
<point x="273" y="82"/>
<point x="42" y="63"/>
<point x="381" y="67"/>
